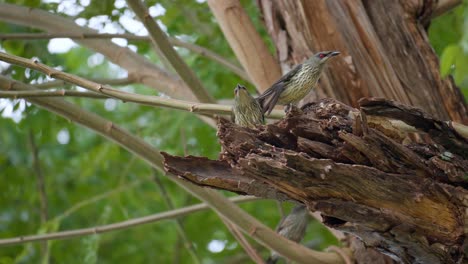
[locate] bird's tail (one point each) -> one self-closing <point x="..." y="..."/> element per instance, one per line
<point x="268" y="100"/>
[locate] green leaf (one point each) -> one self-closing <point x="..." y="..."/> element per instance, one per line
<point x="448" y="57"/>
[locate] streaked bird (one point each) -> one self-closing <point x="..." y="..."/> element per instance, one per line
<point x="293" y="227"/>
<point x="296" y="84"/>
<point x="246" y="110"/>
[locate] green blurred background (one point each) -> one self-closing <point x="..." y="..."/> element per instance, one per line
<point x="90" y="181"/>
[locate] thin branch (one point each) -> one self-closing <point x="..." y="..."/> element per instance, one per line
<point x="165" y="50"/>
<point x="213" y="56"/>
<point x="209" y="109"/>
<point x="231" y="227"/>
<point x="251" y="252"/>
<point x="174" y="41"/>
<point x="97" y="198"/>
<point x="117" y="226"/>
<point x="40" y="182"/>
<point x="177" y="250"/>
<point x="180" y="228"/>
<point x="444" y="6"/>
<point x="56" y="93"/>
<point x="142" y="69"/>
<point x="57" y="83"/>
<point x="151" y="155"/>
<point x="40" y="179"/>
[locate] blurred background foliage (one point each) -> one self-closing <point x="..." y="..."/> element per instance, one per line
<point x="90" y="181"/>
<point x="449" y="37"/>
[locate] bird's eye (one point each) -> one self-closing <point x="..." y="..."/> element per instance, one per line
<point x="321" y="55"/>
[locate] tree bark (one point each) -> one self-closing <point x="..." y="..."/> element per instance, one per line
<point x="384" y="45"/>
<point x="245" y="41"/>
<point x="402" y="194"/>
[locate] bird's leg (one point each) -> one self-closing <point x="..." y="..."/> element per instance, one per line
<point x="290" y="108"/>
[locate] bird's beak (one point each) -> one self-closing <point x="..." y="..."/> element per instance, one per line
<point x="333" y="53"/>
<point x="238" y="88"/>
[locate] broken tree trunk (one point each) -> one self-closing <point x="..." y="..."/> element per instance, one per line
<point x="401" y="193"/>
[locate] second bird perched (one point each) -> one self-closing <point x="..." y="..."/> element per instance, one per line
<point x="292" y="227"/>
<point x="246" y="111"/>
<point x="296" y="84"/>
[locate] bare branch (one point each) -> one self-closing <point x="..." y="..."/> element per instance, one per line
<point x="143" y="70"/>
<point x="444" y="6"/>
<point x="246" y="43"/>
<point x="40" y="182"/>
<point x="174" y="41"/>
<point x="178" y="221"/>
<point x="210" y="109"/>
<point x="96" y="198"/>
<point x="139" y="147"/>
<point x="56" y="93"/>
<point x="165" y="50"/>
<point x="251" y="252"/>
<point x="213" y="56"/>
<point x="56" y="83"/>
<point x="116" y="226"/>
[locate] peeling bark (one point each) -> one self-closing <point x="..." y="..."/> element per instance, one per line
<point x="403" y="194"/>
<point x="384" y="45"/>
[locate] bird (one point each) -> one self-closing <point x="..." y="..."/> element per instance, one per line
<point x="296" y="84"/>
<point x="246" y="110"/>
<point x="293" y="227"/>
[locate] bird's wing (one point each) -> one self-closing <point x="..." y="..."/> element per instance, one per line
<point x="270" y="97"/>
<point x="233" y="117"/>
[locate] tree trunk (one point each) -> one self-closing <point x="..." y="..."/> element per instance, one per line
<point x="406" y="198"/>
<point x="384" y="45"/>
<point x="399" y="193"/>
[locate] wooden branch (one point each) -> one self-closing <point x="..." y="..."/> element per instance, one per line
<point x="41" y="189"/>
<point x="165" y="50"/>
<point x="444" y="6"/>
<point x="405" y="198"/>
<point x="100" y="89"/>
<point x="115" y="226"/>
<point x="137" y="66"/>
<point x="178" y="221"/>
<point x="213" y="56"/>
<point x="174" y="41"/>
<point x="152" y="156"/>
<point x="246" y="43"/>
<point x="91" y="200"/>
<point x="56" y="93"/>
<point x="248" y="248"/>
<point x="57" y="83"/>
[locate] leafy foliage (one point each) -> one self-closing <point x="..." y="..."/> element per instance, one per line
<point x="449" y="37"/>
<point x="90" y="181"/>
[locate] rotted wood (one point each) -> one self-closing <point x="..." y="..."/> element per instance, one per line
<point x="403" y="195"/>
<point x="384" y="48"/>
